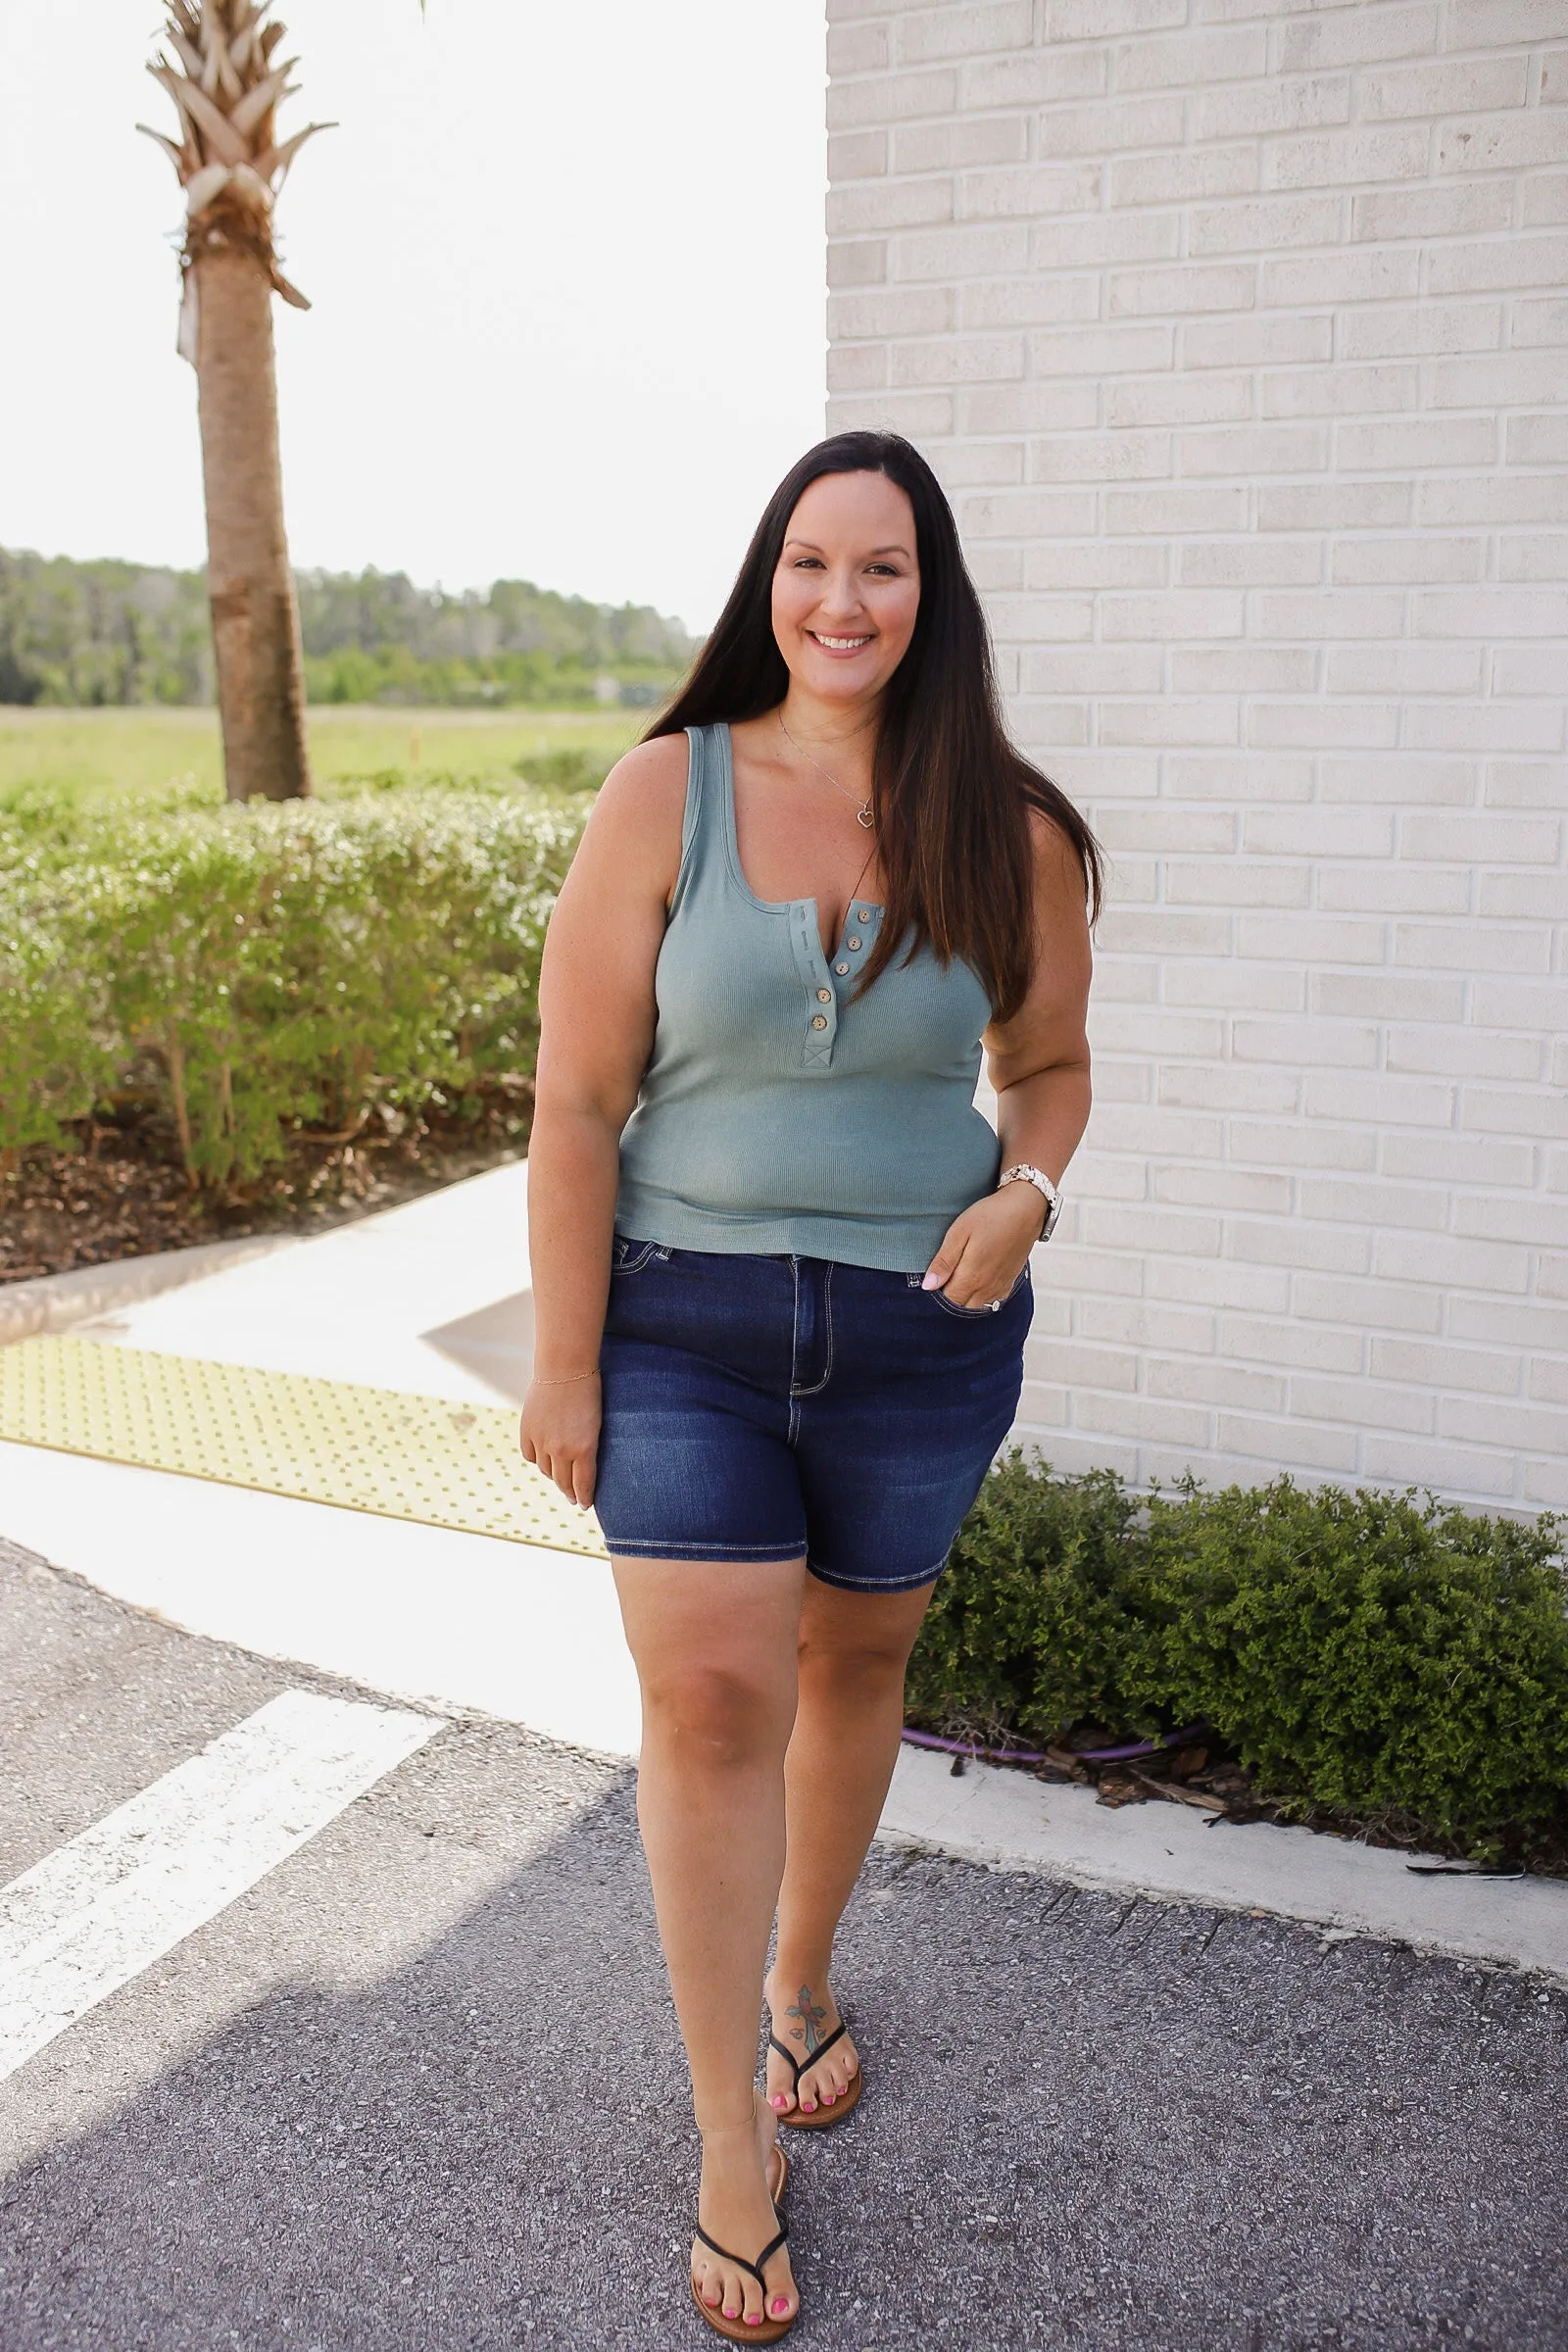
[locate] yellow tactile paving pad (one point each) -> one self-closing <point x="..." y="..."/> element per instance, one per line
<point x="321" y="1440"/>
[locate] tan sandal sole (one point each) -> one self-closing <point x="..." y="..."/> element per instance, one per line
<point x="736" y="2332"/>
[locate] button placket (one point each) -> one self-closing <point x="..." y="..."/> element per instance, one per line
<point x="821" y="1023"/>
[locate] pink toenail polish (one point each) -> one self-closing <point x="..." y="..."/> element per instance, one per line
<point x="754" y="2318"/>
<point x="778" y="2102"/>
<point x="780" y="2307"/>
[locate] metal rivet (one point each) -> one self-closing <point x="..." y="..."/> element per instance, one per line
<point x="840" y="967"/>
<point x="820" y="1020"/>
<point x="855" y="943"/>
<point x="824" y="996"/>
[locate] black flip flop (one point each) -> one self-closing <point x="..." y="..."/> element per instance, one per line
<point x="842" y="2105"/>
<point x="735" y="2332"/>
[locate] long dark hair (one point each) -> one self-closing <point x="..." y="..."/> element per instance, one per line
<point x="950" y="791"/>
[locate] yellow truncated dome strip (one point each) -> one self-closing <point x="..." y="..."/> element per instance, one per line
<point x="284" y="1433"/>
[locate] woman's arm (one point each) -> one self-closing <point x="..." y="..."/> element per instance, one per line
<point x="1039" y="1065"/>
<point x="596" y="1022"/>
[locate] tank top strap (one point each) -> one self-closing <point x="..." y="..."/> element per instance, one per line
<point x="705" y="824"/>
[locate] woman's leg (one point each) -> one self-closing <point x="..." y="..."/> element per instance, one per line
<point x="715" y="1652"/>
<point x="854" y="1649"/>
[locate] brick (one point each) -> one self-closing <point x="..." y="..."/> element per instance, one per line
<point x="1516" y="1111"/>
<point x="1481" y="840"/>
<point x="1201" y="1381"/>
<point x="1379" y="1099"/>
<point x="1543" y="200"/>
<point x="1334" y="505"/>
<point x="1189" y="60"/>
<point x="857" y="155"/>
<point x="1104" y="351"/>
<point x="1299" y="1146"/>
<point x="1538" y="440"/>
<point x="1290" y="103"/>
<point x="1535" y="1220"/>
<point x="857" y="49"/>
<point x="1253" y="987"/>
<point x="1522" y="557"/>
<point x="1238" y="776"/>
<point x="1243" y="670"/>
<point x="1103" y="126"/>
<point x="1509" y="1323"/>
<point x="1265" y="224"/>
<point x="1359" y="273"/>
<point x="927" y="34"/>
<point x="1145" y="1323"/>
<point x="1484" y="727"/>
<point x="1104" y="20"/>
<point x="1412" y="1208"/>
<point x="1387" y="331"/>
<point x="1093" y="669"/>
<point x="856" y="264"/>
<point x="1161" y="931"/>
<point x="1249" y="342"/>
<point x="1490" y="23"/>
<point x="920" y="416"/>
<point x="1510" y="143"/>
<point x="1536" y="498"/>
<point x="1448" y="1469"/>
<point x="1412" y="559"/>
<point x="1036" y="77"/>
<point x="1371" y="1404"/>
<point x="1216" y="882"/>
<point x="1510" y="1426"/>
<point x="1439" y="1364"/>
<point x="1322" y="726"/>
<point x="1471" y="947"/>
<point x="1394" y="889"/>
<point x="1315" y="1044"/>
<point x="1254" y="450"/>
<point x="890" y="311"/>
<point x="1186" y="173"/>
<point x="1179" y="400"/>
<point x="1195" y="286"/>
<point x="1091" y="240"/>
<point x="890" y="98"/>
<point x="963" y="142"/>
<point x="1026" y="514"/>
<point x="1365" y="834"/>
<point x="1386" y="445"/>
<point x="1387" y="996"/>
<point x="1335" y="159"/>
<point x="1524" y="898"/>
<point x="870" y="204"/>
<point x="1314" y="1249"/>
<point x="1233" y="563"/>
<point x="1464" y="206"/>
<point x="1529" y="669"/>
<point x="1517" y="379"/>
<point x="1523" y="784"/>
<point x="1330" y="613"/>
<point x="1030" y="301"/>
<point x="1492" y="612"/>
<point x="1102" y="458"/>
<point x="1028" y="407"/>
<point x="1507" y="262"/>
<point x="1404" y="670"/>
<point x="1290" y="1445"/>
<point x="1197" y="613"/>
<point x="1469" y="85"/>
<point x="1367" y="1305"/>
<point x="1175" y="510"/>
<point x="959" y="360"/>
<point x="970" y="251"/>
<point x="1536" y="323"/>
<point x="856" y="367"/>
<point x="1096" y="564"/>
<point x="1169" y="721"/>
<point x="1291" y="1345"/>
<point x="1258" y="1289"/>
<point x="1025" y="191"/>
<point x="1339" y="391"/>
<point x="1353" y="36"/>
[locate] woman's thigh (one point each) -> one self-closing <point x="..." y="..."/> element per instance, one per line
<point x="709" y="1634"/>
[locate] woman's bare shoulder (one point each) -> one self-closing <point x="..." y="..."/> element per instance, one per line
<point x="642" y="801"/>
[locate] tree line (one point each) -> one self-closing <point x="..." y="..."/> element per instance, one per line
<point x="113" y="632"/>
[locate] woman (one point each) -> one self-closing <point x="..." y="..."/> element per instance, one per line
<point x="780" y="1265"/>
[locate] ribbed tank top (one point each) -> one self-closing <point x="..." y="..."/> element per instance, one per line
<point x="775" y="1114"/>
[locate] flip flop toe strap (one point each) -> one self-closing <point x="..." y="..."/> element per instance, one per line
<point x="798" y="2066"/>
<point x="739" y="2260"/>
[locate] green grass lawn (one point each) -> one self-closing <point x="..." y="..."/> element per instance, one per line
<point x="151" y="751"/>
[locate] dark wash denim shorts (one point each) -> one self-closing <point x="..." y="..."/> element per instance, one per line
<point x="758" y="1407"/>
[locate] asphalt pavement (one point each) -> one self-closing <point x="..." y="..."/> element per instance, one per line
<point x="419" y="2089"/>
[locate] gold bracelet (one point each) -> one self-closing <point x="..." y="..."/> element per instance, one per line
<point x="564" y="1381"/>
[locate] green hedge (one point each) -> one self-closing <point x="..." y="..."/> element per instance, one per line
<point x="268" y="968"/>
<point x="1378" y="1655"/>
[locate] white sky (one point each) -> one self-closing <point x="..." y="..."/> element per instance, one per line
<point x="566" y="264"/>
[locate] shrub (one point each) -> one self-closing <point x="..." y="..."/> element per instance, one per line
<point x="281" y="966"/>
<point x="1373" y="1654"/>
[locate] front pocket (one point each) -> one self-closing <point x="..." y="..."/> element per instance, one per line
<point x="977" y="1315"/>
<point x="630" y="1257"/>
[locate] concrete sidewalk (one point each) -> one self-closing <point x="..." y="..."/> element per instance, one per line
<point x="434" y="1299"/>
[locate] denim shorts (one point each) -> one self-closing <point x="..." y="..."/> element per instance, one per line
<point x="758" y="1408"/>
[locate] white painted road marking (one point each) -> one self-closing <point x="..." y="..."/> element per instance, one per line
<point x="97" y="1911"/>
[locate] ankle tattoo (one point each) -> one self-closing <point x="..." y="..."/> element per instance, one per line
<point x="811" y="2017"/>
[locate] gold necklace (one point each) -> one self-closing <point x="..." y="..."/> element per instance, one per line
<point x="862" y="809"/>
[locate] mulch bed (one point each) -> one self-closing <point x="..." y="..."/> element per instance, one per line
<point x="1204" y="1774"/>
<point x="123" y="1193"/>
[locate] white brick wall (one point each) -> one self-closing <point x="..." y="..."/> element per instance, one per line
<point x="1239" y="331"/>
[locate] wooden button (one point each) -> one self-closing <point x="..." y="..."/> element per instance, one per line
<point x="855" y="943"/>
<point x="820" y="1020"/>
<point x="824" y="996"/>
<point x="840" y="967"/>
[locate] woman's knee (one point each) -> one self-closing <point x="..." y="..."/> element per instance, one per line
<point x="868" y="1663"/>
<point x="717" y="1717"/>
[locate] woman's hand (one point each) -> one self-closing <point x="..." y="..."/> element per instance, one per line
<point x="560" y="1433"/>
<point x="984" y="1251"/>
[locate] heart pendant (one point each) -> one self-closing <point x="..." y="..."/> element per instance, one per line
<point x="864" y="817"/>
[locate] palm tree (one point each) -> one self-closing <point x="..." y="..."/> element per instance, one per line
<point x="223" y="79"/>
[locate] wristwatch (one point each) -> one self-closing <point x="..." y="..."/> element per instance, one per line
<point x="1022" y="1174"/>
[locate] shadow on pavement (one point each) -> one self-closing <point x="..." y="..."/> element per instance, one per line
<point x="1089" y="2123"/>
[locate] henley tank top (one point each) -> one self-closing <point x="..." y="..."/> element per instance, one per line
<point x="776" y="1115"/>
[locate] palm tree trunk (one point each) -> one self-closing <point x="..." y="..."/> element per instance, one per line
<point x="256" y="626"/>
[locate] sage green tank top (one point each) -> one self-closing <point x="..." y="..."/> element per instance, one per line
<point x="776" y="1115"/>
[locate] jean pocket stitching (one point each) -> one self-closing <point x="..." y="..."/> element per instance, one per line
<point x="977" y="1315"/>
<point x="634" y="1261"/>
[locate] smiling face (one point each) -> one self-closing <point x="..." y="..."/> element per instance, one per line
<point x="846" y="588"/>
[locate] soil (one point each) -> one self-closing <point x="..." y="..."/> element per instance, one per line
<point x="122" y="1192"/>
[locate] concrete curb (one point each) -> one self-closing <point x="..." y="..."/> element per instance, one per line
<point x="57" y="1301"/>
<point x="1010" y="1821"/>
